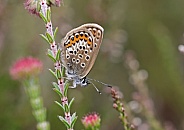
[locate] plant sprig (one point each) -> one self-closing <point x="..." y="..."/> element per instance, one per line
<point x="61" y="87"/>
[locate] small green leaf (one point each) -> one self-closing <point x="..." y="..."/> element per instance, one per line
<point x="49" y="37"/>
<point x="53" y="73"/>
<point x="43" y="17"/>
<point x="64" y="121"/>
<point x="69" y="106"/>
<point x="38" y="6"/>
<point x="63" y="71"/>
<point x="56" y="86"/>
<point x="59" y="104"/>
<point x="51" y="56"/>
<point x="58" y="92"/>
<point x="73" y="121"/>
<point x="49" y="51"/>
<point x="55" y="31"/>
<point x="66" y="88"/>
<point x="48" y="15"/>
<point x="58" y="54"/>
<point x="73" y="115"/>
<point x="45" y="38"/>
<point x="58" y="73"/>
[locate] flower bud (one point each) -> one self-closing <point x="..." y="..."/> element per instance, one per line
<point x="91" y="121"/>
<point x="26" y="67"/>
<point x="32" y="6"/>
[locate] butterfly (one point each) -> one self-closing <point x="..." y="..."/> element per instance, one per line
<point x="79" y="49"/>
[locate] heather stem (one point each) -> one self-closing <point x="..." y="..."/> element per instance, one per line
<point x="32" y="88"/>
<point x="61" y="87"/>
<point x="119" y="106"/>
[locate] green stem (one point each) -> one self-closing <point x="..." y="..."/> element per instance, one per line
<point x="32" y="88"/>
<point x="61" y="87"/>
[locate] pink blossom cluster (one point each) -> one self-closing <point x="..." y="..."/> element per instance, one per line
<point x="91" y="120"/>
<point x="26" y="67"/>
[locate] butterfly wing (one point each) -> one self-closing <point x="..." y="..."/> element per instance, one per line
<point x="97" y="34"/>
<point x="80" y="48"/>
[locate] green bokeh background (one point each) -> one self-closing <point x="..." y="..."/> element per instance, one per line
<point x="152" y="29"/>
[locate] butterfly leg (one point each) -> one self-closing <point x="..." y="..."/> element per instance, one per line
<point x="74" y="85"/>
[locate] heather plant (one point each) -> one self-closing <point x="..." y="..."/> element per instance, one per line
<point x="43" y="10"/>
<point x="141" y="112"/>
<point x="119" y="105"/>
<point x="91" y="121"/>
<point x="26" y="70"/>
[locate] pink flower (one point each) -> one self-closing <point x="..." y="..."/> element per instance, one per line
<point x="32" y="7"/>
<point x="91" y="120"/>
<point x="26" y="67"/>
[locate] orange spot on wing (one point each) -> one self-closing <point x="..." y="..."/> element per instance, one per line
<point x="94" y="32"/>
<point x="76" y="39"/>
<point x="72" y="42"/>
<point x="89" y="42"/>
<point x="83" y="37"/>
<point x="69" y="44"/>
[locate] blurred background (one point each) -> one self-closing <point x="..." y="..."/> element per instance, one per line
<point x="152" y="30"/>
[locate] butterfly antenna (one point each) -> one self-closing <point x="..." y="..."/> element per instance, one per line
<point x="95" y="87"/>
<point x="108" y="85"/>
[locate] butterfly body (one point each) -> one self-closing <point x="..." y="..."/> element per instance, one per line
<point x="79" y="50"/>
